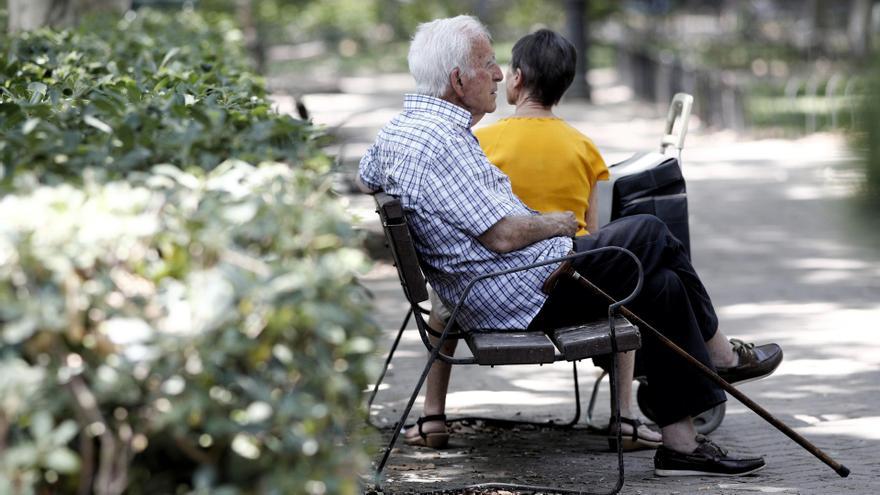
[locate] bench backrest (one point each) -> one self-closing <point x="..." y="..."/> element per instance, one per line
<point x="403" y="250"/>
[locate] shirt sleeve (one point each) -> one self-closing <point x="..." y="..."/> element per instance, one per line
<point x="596" y="163"/>
<point x="369" y="170"/>
<point x="463" y="188"/>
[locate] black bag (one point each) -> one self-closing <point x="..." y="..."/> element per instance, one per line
<point x="649" y="183"/>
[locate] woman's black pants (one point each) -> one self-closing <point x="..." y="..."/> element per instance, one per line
<point x="673" y="300"/>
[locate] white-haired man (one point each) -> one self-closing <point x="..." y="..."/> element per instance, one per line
<point x="466" y="221"/>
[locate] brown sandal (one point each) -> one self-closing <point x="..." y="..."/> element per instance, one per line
<point x="434" y="439"/>
<point x="631" y="441"/>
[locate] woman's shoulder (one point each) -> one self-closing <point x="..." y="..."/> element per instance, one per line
<point x="574" y="133"/>
<point x="493" y="128"/>
<point x="572" y="130"/>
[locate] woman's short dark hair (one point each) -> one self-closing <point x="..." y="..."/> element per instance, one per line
<point x="547" y="61"/>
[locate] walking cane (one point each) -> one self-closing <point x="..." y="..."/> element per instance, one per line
<point x="840" y="469"/>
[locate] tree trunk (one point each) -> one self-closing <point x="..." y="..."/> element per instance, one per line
<point x="575" y="18"/>
<point x="859" y="27"/>
<point x="484" y="12"/>
<point x="253" y="40"/>
<point x="25" y="15"/>
<point x="810" y="23"/>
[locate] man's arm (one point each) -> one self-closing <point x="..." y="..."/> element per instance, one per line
<point x="363" y="187"/>
<point x="516" y="232"/>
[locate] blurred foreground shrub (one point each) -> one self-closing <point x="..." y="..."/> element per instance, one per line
<point x="123" y="96"/>
<point x="179" y="333"/>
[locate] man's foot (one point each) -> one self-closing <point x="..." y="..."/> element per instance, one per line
<point x="708" y="459"/>
<point x="429" y="431"/>
<point x="635" y="435"/>
<point x="754" y="362"/>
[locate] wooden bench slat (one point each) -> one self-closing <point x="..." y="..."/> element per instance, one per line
<point x="594" y="338"/>
<point x="491" y="347"/>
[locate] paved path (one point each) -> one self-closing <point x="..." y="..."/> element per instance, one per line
<point x="774" y="239"/>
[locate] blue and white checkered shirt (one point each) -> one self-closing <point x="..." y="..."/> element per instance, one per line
<point x="428" y="157"/>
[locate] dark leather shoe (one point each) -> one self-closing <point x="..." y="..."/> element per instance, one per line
<point x="708" y="459"/>
<point x="754" y="362"/>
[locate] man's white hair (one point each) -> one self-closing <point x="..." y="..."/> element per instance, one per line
<point x="440" y="46"/>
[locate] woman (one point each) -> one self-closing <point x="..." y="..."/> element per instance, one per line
<point x="554" y="167"/>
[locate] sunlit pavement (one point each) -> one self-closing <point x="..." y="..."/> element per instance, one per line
<point x="774" y="238"/>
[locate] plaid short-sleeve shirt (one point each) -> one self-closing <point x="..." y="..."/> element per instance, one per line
<point x="428" y="157"/>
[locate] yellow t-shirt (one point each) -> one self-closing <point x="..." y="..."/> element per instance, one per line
<point x="552" y="166"/>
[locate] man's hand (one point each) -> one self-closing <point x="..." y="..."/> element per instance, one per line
<point x="516" y="232"/>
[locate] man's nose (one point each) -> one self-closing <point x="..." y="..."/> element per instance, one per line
<point x="497" y="75"/>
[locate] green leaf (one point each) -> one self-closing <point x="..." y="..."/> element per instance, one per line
<point x="41" y="425"/>
<point x="162" y="84"/>
<point x="38" y="91"/>
<point x="98" y="124"/>
<point x="29" y="126"/>
<point x="65" y="432"/>
<point x="168" y="56"/>
<point x="24" y="455"/>
<point x="19" y="330"/>
<point x="62" y="460"/>
<point x="107" y="104"/>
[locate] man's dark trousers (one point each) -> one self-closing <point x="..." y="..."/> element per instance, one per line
<point x="673" y="300"/>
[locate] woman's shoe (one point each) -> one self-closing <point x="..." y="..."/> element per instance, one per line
<point x="434" y="439"/>
<point x="631" y="441"/>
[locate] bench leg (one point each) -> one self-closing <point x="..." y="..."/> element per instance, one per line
<point x="577" y="396"/>
<point x="412" y="399"/>
<point x="502" y="422"/>
<point x="593" y="396"/>
<point x="385" y="369"/>
<point x="496" y="421"/>
<point x="615" y="409"/>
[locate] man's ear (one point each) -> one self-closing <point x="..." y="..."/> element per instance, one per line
<point x="455" y="82"/>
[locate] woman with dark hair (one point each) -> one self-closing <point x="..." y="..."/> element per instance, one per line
<point x="553" y="167"/>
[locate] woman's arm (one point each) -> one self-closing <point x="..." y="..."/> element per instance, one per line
<point x="592" y="216"/>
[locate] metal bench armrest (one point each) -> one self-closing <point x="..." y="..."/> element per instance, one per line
<point x="612" y="308"/>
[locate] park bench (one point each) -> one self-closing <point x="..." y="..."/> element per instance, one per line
<point x="496" y="347"/>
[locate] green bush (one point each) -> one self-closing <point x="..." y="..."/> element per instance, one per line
<point x="172" y="319"/>
<point x="203" y="331"/>
<point x="151" y="88"/>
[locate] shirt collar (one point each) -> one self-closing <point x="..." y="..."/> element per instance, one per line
<point x="438" y="106"/>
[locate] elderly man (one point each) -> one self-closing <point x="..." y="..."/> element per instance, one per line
<point x="466" y="221"/>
